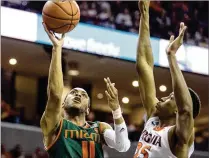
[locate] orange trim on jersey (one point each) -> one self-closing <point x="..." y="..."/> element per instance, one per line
<point x="50" y="145"/>
<point x="85" y="149"/>
<point x="92" y="149"/>
<point x="158" y="128"/>
<point x="86" y="125"/>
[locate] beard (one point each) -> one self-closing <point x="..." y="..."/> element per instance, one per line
<point x="74" y="110"/>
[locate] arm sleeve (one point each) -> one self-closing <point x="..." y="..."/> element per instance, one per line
<point x="118" y="138"/>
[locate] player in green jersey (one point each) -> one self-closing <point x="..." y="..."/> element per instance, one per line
<point x="71" y="136"/>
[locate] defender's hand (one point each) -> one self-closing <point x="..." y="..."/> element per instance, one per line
<point x="55" y="40"/>
<point x="143" y="6"/>
<point x="112" y="94"/>
<point x="175" y="44"/>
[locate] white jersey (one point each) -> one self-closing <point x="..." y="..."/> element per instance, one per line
<point x="153" y="142"/>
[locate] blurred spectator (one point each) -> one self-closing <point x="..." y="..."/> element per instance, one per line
<point x="123" y="20"/>
<point x="7" y="113"/>
<point x="198" y="35"/>
<point x="104" y="15"/>
<point x="156" y="6"/>
<point x="165" y="17"/>
<point x="92" y="12"/>
<point x="84" y="10"/>
<point x="40" y="153"/>
<point x="17" y="152"/>
<point x="4" y="153"/>
<point x="109" y="24"/>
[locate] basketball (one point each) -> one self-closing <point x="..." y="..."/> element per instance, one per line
<point x="61" y="17"/>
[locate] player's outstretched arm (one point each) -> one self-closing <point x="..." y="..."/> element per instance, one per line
<point x="117" y="138"/>
<point x="185" y="121"/>
<point x="52" y="114"/>
<point x="145" y="62"/>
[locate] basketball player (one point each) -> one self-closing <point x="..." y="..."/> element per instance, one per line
<point x="72" y="136"/>
<point x="168" y="131"/>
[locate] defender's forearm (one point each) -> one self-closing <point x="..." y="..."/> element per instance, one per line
<point x="181" y="92"/>
<point x="144" y="46"/>
<point x="55" y="81"/>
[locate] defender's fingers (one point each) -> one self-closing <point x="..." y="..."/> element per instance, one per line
<point x="171" y="38"/>
<point x="183" y="31"/>
<point x="181" y="26"/>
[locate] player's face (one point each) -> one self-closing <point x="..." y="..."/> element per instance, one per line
<point x="167" y="106"/>
<point x="77" y="98"/>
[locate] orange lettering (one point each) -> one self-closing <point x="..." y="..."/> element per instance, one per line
<point x="158" y="128"/>
<point x="143" y="151"/>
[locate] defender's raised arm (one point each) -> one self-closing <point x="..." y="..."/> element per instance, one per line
<point x="145" y="62"/>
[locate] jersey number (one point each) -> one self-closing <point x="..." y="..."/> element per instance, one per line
<point x="88" y="149"/>
<point x="143" y="151"/>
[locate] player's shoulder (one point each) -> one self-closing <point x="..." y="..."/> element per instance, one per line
<point x="103" y="126"/>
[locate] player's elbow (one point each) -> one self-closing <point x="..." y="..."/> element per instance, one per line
<point x="186" y="111"/>
<point x="123" y="147"/>
<point x="139" y="68"/>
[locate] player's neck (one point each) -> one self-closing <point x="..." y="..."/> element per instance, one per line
<point x="79" y="120"/>
<point x="167" y="122"/>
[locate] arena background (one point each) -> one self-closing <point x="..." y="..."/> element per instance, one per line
<point x="102" y="45"/>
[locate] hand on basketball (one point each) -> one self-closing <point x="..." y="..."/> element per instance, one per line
<point x="55" y="40"/>
<point x="112" y="94"/>
<point x="143" y="6"/>
<point x="175" y="44"/>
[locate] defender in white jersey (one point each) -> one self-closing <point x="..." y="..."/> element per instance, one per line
<point x="169" y="130"/>
<point x="153" y="142"/>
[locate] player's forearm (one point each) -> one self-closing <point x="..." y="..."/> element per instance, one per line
<point x="144" y="46"/>
<point x="117" y="115"/>
<point x="181" y="92"/>
<point x="55" y="81"/>
<point x="119" y="120"/>
<point x="122" y="145"/>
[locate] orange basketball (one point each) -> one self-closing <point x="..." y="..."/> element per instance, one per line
<point x="61" y="17"/>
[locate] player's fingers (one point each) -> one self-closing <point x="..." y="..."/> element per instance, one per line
<point x="171" y="38"/>
<point x="108" y="95"/>
<point x="44" y="25"/>
<point x="181" y="26"/>
<point x="49" y="33"/>
<point x="182" y="34"/>
<point x="53" y="33"/>
<point x="63" y="36"/>
<point x="45" y="28"/>
<point x="105" y="80"/>
<point x="183" y="31"/>
<point x="109" y="89"/>
<point x="113" y="89"/>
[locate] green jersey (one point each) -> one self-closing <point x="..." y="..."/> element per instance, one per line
<point x="73" y="141"/>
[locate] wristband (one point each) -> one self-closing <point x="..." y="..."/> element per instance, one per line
<point x="117" y="113"/>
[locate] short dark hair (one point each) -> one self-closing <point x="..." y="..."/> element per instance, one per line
<point x="196" y="102"/>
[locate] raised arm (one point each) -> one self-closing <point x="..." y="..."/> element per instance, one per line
<point x="117" y="138"/>
<point x="185" y="121"/>
<point x="145" y="62"/>
<point x="52" y="114"/>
